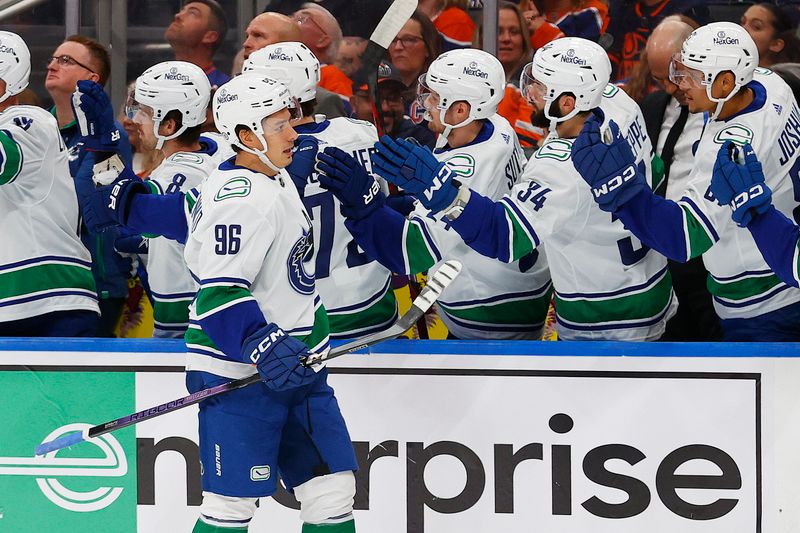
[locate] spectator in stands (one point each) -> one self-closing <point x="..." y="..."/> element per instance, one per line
<point x="270" y="28"/>
<point x="632" y="21"/>
<point x="513" y="52"/>
<point x="673" y="132"/>
<point x="541" y="30"/>
<point x="390" y="97"/>
<point x="82" y="58"/>
<point x="574" y="18"/>
<point x="195" y="34"/>
<point x="321" y="33"/>
<point x="773" y="32"/>
<point x="357" y="18"/>
<point x="452" y="21"/>
<point x="417" y="44"/>
<point x="348" y="58"/>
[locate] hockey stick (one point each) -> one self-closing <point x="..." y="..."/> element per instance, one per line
<point x="448" y="271"/>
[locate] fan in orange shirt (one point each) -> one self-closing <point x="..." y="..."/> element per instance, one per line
<point x="322" y="34"/>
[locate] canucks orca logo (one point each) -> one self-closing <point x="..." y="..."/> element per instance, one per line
<point x="301" y="252"/>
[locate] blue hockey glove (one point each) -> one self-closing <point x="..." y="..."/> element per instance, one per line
<point x="609" y="169"/>
<point x="416" y="170"/>
<point x="95" y="116"/>
<point x="278" y="357"/>
<point x="304" y="157"/>
<point x="131" y="242"/>
<point x="107" y="206"/>
<point x="740" y="186"/>
<point x="357" y="190"/>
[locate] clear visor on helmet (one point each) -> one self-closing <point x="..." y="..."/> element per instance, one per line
<point x="278" y="122"/>
<point x="427" y="98"/>
<point x="139" y="113"/>
<point x="683" y="76"/>
<point x="532" y="89"/>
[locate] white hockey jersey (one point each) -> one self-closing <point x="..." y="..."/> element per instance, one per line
<point x="489" y="299"/>
<point x="356" y="290"/>
<point x="251" y="239"/>
<point x="44" y="267"/>
<point x="741" y="282"/>
<point x="608" y="286"/>
<point x="171" y="283"/>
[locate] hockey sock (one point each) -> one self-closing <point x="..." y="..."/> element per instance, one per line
<point x="342" y="527"/>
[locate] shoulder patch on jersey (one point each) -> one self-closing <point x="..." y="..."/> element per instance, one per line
<point x="763" y="71"/>
<point x="559" y="149"/>
<point x="462" y="164"/>
<point x="187" y="158"/>
<point x="234" y="188"/>
<point x="610" y="91"/>
<point x="737" y="133"/>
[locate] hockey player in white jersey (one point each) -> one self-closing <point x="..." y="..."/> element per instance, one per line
<point x="607" y="285"/>
<point x="171" y="99"/>
<point x="717" y="69"/>
<point x="46" y="284"/>
<point x="356" y="289"/>
<point x="250" y="245"/>
<point x="460" y="91"/>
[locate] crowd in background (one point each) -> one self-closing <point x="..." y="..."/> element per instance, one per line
<point x="336" y="31"/>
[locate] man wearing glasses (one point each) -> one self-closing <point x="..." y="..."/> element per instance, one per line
<point x="674" y="132"/>
<point x="322" y="34"/>
<point x="82" y="58"/>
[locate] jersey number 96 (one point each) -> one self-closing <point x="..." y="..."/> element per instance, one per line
<point x="228" y="239"/>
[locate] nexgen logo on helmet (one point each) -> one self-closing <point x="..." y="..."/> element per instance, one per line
<point x="279" y="55"/>
<point x="722" y="39"/>
<point x="7" y="49"/>
<point x="173" y="74"/>
<point x="473" y="70"/>
<point x="224" y="96"/>
<point x="571" y="58"/>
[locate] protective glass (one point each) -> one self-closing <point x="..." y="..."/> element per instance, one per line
<point x="531" y="89"/>
<point x="139" y="113"/>
<point x="683" y="76"/>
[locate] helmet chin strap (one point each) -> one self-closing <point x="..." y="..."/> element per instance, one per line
<point x="720" y="101"/>
<point x="554" y="121"/>
<point x="441" y="140"/>
<point x="260" y="154"/>
<point x="162" y="139"/>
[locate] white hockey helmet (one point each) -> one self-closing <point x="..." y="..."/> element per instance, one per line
<point x="246" y="101"/>
<point x="472" y="76"/>
<point x="293" y="64"/>
<point x="568" y="65"/>
<point x="716" y="48"/>
<point x="15" y="63"/>
<point x="174" y="86"/>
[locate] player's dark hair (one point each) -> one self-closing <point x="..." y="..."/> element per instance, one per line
<point x="188" y="137"/>
<point x="218" y="21"/>
<point x="100" y="56"/>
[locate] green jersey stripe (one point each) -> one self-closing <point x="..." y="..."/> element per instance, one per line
<point x="699" y="241"/>
<point x="521" y="242"/>
<point x="527" y="311"/>
<point x="10" y="158"/>
<point x="418" y="252"/>
<point x="641" y="305"/>
<point x="743" y="288"/>
<point x="378" y="313"/>
<point x="171" y="312"/>
<point x="212" y="299"/>
<point x="47" y="277"/>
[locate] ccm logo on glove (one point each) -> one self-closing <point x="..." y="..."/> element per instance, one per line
<point x="265" y="345"/>
<point x="615" y="182"/>
<point x="437" y="182"/>
<point x="745" y="196"/>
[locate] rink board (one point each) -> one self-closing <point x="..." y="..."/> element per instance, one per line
<point x="456" y="436"/>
